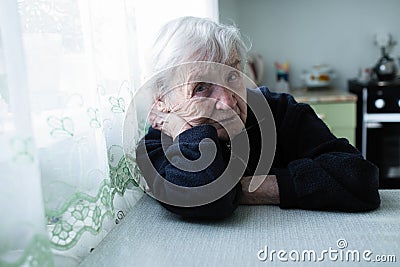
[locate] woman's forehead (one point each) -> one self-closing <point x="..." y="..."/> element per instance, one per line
<point x="205" y="70"/>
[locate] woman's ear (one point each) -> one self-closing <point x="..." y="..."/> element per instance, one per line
<point x="161" y="106"/>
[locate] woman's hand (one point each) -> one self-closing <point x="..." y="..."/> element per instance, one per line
<point x="175" y="120"/>
<point x="259" y="190"/>
<point x="168" y="122"/>
<point x="197" y="111"/>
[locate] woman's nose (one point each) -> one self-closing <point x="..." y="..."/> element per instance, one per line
<point x="225" y="98"/>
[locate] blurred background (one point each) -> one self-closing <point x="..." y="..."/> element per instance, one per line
<point x="338" y="33"/>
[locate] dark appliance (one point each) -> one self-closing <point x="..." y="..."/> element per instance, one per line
<point x="378" y="127"/>
<point x="385" y="69"/>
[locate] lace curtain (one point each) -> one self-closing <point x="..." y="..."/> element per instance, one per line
<point x="68" y="71"/>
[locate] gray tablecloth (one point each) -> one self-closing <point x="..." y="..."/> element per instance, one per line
<point x="151" y="236"/>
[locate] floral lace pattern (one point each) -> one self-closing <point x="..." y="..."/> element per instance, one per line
<point x="81" y="213"/>
<point x="121" y="175"/>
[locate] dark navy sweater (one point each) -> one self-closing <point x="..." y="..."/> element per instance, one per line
<point x="314" y="169"/>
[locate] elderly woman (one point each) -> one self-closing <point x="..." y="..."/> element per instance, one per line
<point x="311" y="168"/>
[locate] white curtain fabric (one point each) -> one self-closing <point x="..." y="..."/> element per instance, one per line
<point x="68" y="72"/>
<point x="23" y="239"/>
<point x="79" y="68"/>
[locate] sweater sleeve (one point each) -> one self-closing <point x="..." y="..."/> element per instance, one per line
<point x="187" y="146"/>
<point x="323" y="172"/>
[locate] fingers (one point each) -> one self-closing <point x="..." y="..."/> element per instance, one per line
<point x="167" y="122"/>
<point x="156" y="118"/>
<point x="161" y="106"/>
<point x="157" y="113"/>
<point x="156" y="121"/>
<point x="195" y="108"/>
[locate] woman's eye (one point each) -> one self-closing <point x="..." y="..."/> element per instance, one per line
<point x="200" y="88"/>
<point x="233" y="76"/>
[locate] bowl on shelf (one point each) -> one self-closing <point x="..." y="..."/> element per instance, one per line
<point x="319" y="76"/>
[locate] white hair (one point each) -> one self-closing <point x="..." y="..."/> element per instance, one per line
<point x="189" y="39"/>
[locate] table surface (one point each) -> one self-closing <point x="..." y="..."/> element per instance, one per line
<point x="151" y="236"/>
<point x="323" y="96"/>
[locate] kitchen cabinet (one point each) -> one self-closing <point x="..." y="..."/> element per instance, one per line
<point x="336" y="108"/>
<point x="339" y="117"/>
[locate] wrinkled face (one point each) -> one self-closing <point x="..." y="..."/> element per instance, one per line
<point x="217" y="95"/>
